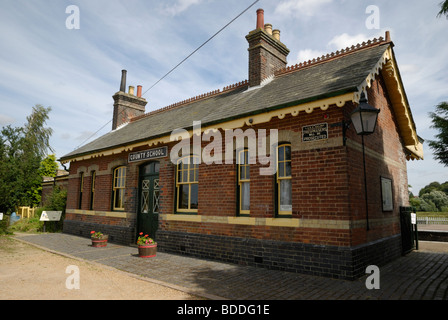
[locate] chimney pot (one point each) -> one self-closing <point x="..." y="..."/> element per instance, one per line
<point x="139" y="91"/>
<point x="268" y="28"/>
<point x="388" y="36"/>
<point x="276" y="34"/>
<point x="131" y="90"/>
<point x="123" y="81"/>
<point x="260" y="19"/>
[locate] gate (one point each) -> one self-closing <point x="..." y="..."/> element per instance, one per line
<point x="407" y="230"/>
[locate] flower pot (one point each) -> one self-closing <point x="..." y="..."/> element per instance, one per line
<point x="147" y="251"/>
<point x="100" y="242"/>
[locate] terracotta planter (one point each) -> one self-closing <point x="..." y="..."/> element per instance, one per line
<point x="101" y="242"/>
<point x="147" y="251"/>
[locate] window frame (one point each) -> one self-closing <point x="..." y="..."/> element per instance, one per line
<point x="189" y="182"/>
<point x="245" y="163"/>
<point x="282" y="176"/>
<point x="120" y="189"/>
<point x="92" y="189"/>
<point x="81" y="189"/>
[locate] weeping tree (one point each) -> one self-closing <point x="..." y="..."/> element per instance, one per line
<point x="22" y="150"/>
<point x="443" y="9"/>
<point x="440" y="123"/>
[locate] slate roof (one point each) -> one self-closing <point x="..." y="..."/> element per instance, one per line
<point x="333" y="76"/>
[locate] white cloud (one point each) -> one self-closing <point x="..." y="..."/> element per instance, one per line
<point x="308" y="54"/>
<point x="5" y="120"/>
<point x="179" y="6"/>
<point x="300" y="7"/>
<point x="345" y="40"/>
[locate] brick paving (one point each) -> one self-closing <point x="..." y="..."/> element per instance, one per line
<point x="420" y="275"/>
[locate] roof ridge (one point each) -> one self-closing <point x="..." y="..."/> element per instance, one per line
<point x="333" y="55"/>
<point x="193" y="99"/>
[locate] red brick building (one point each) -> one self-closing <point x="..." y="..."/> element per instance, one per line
<point x="309" y="215"/>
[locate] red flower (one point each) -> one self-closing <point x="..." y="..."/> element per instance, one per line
<point x="92" y="232"/>
<point x="146" y="235"/>
<point x="140" y="233"/>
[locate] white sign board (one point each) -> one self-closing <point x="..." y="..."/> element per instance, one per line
<point x="51" y="216"/>
<point x="1" y="215"/>
<point x="413" y="218"/>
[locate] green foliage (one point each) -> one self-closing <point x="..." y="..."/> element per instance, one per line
<point x="415" y="202"/>
<point x="438" y="198"/>
<point x="48" y="166"/>
<point x="56" y="201"/>
<point x="439" y="120"/>
<point x="27" y="225"/>
<point x="21" y="153"/>
<point x="432" y="198"/>
<point x="4" y="226"/>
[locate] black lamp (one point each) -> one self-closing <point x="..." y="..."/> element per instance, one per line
<point x="364" y="119"/>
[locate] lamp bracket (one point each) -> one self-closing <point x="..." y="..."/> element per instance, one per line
<point x="345" y="125"/>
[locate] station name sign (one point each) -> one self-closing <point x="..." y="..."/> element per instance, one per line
<point x="315" y="132"/>
<point x="148" y="154"/>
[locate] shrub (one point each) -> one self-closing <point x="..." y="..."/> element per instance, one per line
<point x="4" y="225"/>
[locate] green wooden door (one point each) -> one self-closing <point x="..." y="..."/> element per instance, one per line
<point x="149" y="197"/>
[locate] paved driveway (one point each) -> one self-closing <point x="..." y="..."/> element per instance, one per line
<point x="420" y="275"/>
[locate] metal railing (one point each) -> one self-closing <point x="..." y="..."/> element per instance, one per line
<point x="432" y="220"/>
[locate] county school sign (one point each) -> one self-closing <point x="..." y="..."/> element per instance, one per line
<point x="148" y="154"/>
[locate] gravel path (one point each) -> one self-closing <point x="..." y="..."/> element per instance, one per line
<point x="29" y="273"/>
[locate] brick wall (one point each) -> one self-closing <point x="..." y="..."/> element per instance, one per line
<point x="329" y="261"/>
<point x="80" y="220"/>
<point x="385" y="157"/>
<point x="327" y="199"/>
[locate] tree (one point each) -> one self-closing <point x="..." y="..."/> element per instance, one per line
<point x="438" y="199"/>
<point x="21" y="152"/>
<point x="427" y="206"/>
<point x="10" y="154"/>
<point x="443" y="9"/>
<point x="48" y="166"/>
<point x="428" y="188"/>
<point x="440" y="122"/>
<point x="37" y="137"/>
<point x="431" y="198"/>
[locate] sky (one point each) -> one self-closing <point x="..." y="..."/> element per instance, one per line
<point x="71" y="60"/>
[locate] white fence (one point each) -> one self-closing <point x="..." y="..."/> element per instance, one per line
<point x="432" y="220"/>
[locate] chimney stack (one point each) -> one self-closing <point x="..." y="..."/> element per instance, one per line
<point x="266" y="53"/>
<point x="127" y="105"/>
<point x="260" y="19"/>
<point x="268" y="28"/>
<point x="139" y="91"/>
<point x="123" y="81"/>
